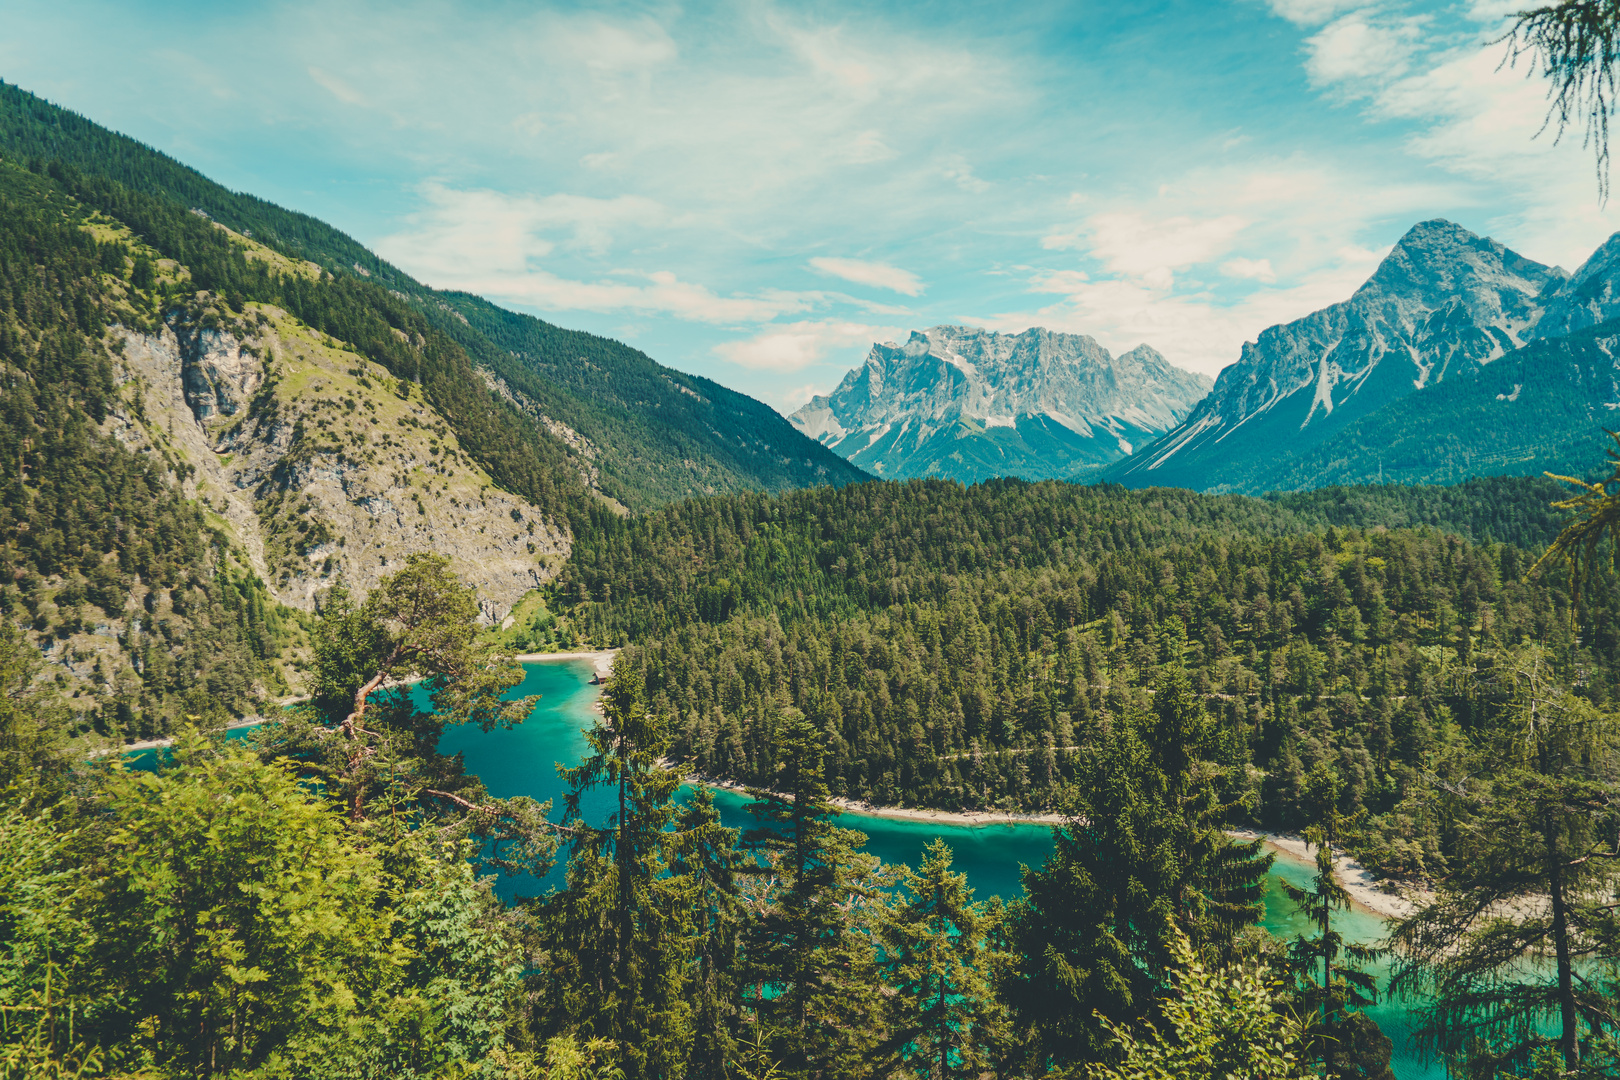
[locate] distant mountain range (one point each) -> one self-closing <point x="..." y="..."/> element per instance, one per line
<point x="1457" y="358"/>
<point x="970" y="404"/>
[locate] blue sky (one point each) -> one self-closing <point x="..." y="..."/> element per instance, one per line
<point x="756" y="192"/>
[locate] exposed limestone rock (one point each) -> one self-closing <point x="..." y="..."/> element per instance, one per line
<point x="321" y="465"/>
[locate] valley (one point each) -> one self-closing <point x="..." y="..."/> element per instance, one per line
<point x="429" y="611"/>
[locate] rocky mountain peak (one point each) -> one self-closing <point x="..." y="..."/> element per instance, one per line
<point x="1590" y="296"/>
<point x="1441" y="305"/>
<point x="969" y="403"/>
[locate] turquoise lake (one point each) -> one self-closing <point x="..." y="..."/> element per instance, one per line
<point x="523" y="761"/>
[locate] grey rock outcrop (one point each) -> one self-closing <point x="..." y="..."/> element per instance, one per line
<point x="969" y="404"/>
<point x="318" y="470"/>
<point x="1441" y="305"/>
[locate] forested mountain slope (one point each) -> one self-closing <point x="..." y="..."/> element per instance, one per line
<point x="202" y="431"/>
<point x="1375" y="386"/>
<point x="1534" y="410"/>
<point x="961" y="647"/>
<point x="645" y="434"/>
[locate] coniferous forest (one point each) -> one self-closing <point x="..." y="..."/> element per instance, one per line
<point x="1427" y="679"/>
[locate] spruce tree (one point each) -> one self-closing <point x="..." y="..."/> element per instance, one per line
<point x="935" y="956"/>
<point x="811" y="971"/>
<point x="705" y="856"/>
<point x="1344" y="1040"/>
<point x="1140" y="857"/>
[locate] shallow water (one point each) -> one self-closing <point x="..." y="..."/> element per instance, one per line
<point x="522" y="761"/>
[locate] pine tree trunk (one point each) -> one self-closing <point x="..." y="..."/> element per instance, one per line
<point x="1560" y="932"/>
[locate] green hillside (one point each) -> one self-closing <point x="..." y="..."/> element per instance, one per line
<point x="657" y="434"/>
<point x="1537" y="409"/>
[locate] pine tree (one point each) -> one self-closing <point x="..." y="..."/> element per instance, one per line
<point x="811" y="972"/>
<point x="935" y="956"/>
<point x="620" y="937"/>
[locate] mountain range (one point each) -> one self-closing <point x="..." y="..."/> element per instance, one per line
<point x="971" y="404"/>
<point x="1442" y="365"/>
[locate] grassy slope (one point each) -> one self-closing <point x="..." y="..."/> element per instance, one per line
<point x="662" y="434"/>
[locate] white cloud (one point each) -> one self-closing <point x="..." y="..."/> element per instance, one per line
<point x="656" y="292"/>
<point x="1197" y="331"/>
<point x="878" y="275"/>
<point x="462" y="232"/>
<point x="1136" y="245"/>
<point x="801" y="344"/>
<point x="337" y="87"/>
<point x="1166" y="272"/>
<point x="1362" y="48"/>
<point x="1253" y="269"/>
<point x="960" y="173"/>
<point x="1478" y="119"/>
<point x="790" y="399"/>
<point x="1312" y="12"/>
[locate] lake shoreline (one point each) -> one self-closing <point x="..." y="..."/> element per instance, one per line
<point x="601" y="659"/>
<point x="1366" y="891"/>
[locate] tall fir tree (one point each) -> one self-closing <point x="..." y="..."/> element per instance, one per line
<point x="811" y="973"/>
<point x="935" y="955"/>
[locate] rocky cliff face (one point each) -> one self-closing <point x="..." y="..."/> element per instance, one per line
<point x="320" y="465"/>
<point x="1590" y="296"/>
<point x="1442" y="305"/>
<point x="969" y="404"/>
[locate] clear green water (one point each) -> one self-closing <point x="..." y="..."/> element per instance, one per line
<point x="522" y="761"/>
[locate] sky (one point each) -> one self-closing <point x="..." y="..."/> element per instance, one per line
<point x="757" y="192"/>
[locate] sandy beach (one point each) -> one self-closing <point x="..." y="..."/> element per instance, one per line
<point x="1365" y="890"/>
<point x="602" y="659"/>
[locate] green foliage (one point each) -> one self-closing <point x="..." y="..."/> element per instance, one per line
<point x="93" y="532"/>
<point x="963" y="648"/>
<point x="810" y="975"/>
<point x="1534" y="875"/>
<point x="1141" y="860"/>
<point x="935" y="954"/>
<point x="362" y="736"/>
<point x="43" y="939"/>
<point x="1344" y="1041"/>
<point x="660" y="434"/>
<point x="1218" y="1024"/>
<point x="620" y="936"/>
<point x="231" y="921"/>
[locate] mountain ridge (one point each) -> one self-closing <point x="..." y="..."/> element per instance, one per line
<point x="1441" y="307"/>
<point x="969" y="404"/>
<point x="667" y="435"/>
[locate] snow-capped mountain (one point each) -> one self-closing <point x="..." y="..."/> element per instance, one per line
<point x="969" y="404"/>
<point x="1442" y="305"/>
